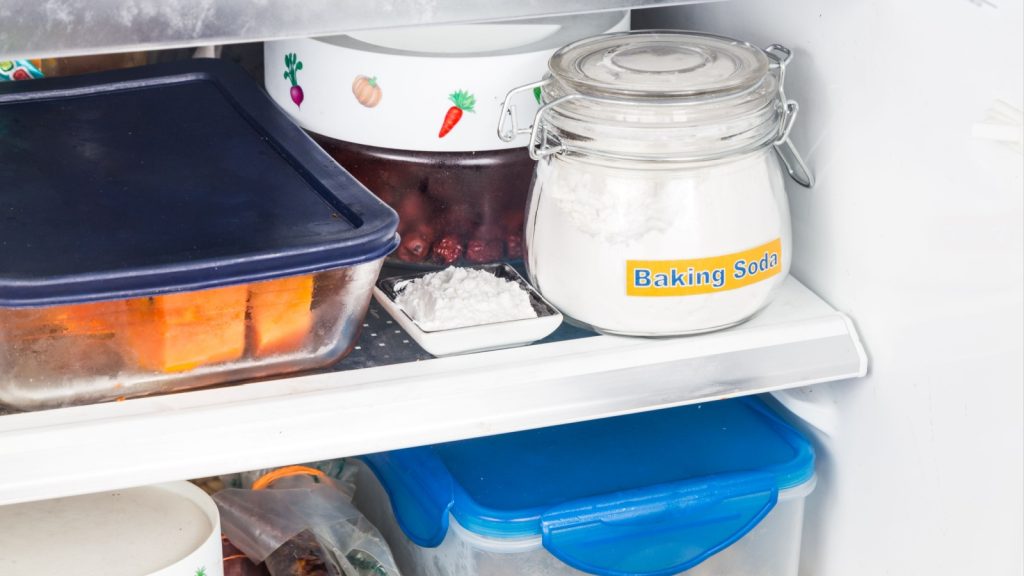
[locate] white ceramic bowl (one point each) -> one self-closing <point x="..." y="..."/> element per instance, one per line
<point x="473" y="338"/>
<point x="162" y="530"/>
<point x="392" y="88"/>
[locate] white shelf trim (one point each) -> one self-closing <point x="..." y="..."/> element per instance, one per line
<point x="797" y="341"/>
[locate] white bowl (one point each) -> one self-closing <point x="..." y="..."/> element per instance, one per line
<point x="390" y="88"/>
<point x="168" y="529"/>
<point x="473" y="338"/>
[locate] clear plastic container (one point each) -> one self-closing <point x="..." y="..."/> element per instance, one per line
<point x="82" y="353"/>
<point x="702" y="490"/>
<point x="772" y="548"/>
<point x="658" y="205"/>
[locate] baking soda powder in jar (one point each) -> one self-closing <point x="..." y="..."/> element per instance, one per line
<point x="658" y="205"/>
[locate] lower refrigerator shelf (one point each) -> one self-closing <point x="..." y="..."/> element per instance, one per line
<point x="390" y="394"/>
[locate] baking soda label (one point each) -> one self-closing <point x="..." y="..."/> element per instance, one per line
<point x="703" y="275"/>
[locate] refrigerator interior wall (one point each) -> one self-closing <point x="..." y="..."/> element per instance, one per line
<point x="914" y="229"/>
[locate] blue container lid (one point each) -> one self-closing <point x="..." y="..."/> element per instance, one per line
<point x="167" y="178"/>
<point x="653" y="493"/>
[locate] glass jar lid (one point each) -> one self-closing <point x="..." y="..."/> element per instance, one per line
<point x="660" y="64"/>
<point x="661" y="95"/>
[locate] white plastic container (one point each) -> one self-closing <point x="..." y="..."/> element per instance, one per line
<point x="410" y="113"/>
<point x="391" y="88"/>
<point x="163" y="530"/>
<point x="538" y="503"/>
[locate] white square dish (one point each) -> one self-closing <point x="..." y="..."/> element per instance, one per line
<point x="478" y="338"/>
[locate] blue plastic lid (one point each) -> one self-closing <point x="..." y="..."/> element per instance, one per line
<point x="675" y="485"/>
<point x="167" y="178"/>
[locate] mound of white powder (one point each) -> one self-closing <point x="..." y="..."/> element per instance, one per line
<point x="460" y="297"/>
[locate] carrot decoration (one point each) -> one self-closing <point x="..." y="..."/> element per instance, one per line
<point x="463" y="102"/>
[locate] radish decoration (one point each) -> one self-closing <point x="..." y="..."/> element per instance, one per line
<point x="293" y="65"/>
<point x="463" y="102"/>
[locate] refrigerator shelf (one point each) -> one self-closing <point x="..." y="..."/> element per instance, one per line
<point x="390" y="394"/>
<point x="31" y="29"/>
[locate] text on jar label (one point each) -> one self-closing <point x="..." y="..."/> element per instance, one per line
<point x="703" y="275"/>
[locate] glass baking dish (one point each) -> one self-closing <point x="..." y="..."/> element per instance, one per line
<point x="167" y="227"/>
<point x="101" y="351"/>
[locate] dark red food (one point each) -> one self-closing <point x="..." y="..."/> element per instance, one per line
<point x="514" y="246"/>
<point x="512" y="221"/>
<point x="413" y="206"/>
<point x="470" y="195"/>
<point x="488" y="232"/>
<point x="460" y="219"/>
<point x="407" y="226"/>
<point x="447" y="250"/>
<point x="415" y="246"/>
<point x="479" y="250"/>
<point x="389" y="185"/>
<point x="445" y="189"/>
<point x="388" y="194"/>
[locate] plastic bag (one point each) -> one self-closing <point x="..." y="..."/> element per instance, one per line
<point x="338" y="472"/>
<point x="300" y="522"/>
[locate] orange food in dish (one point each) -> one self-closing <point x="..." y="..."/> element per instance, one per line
<point x="281" y="315"/>
<point x="90" y="319"/>
<point x="181" y="332"/>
